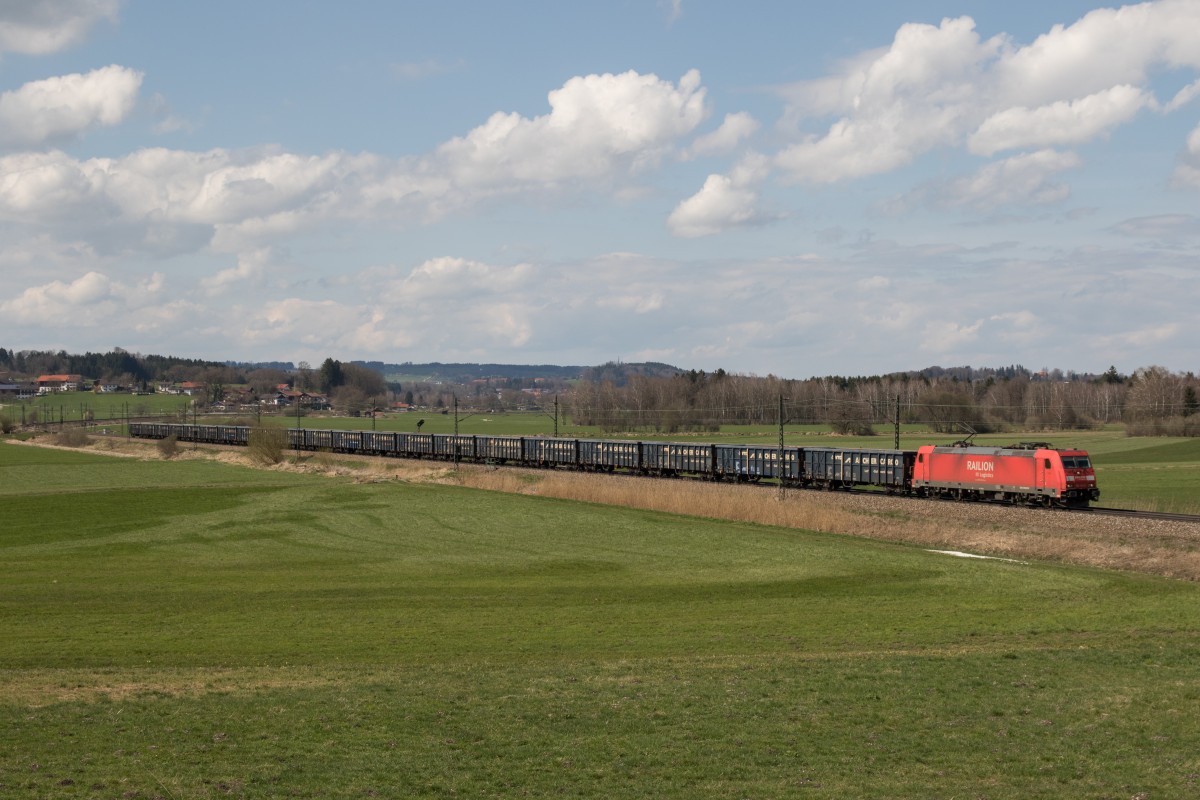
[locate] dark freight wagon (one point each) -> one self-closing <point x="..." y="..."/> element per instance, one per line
<point x="670" y="458"/>
<point x="379" y="442"/>
<point x="847" y="467"/>
<point x="752" y="462"/>
<point x="609" y="455"/>
<point x="499" y="449"/>
<point x="552" y="452"/>
<point x="454" y="447"/>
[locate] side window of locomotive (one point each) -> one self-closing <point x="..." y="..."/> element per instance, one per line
<point x="1048" y="463"/>
<point x="920" y="458"/>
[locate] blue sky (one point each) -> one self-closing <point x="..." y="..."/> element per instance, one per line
<point x="775" y="187"/>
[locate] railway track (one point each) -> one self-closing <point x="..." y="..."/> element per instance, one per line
<point x="1125" y="512"/>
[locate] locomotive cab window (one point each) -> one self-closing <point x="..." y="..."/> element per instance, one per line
<point x="1047" y="463"/>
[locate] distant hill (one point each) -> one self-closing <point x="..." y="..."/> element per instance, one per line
<point x="442" y="372"/>
<point x="619" y="373"/>
<point x="435" y="372"/>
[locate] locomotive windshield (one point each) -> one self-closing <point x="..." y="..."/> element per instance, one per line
<point x="1076" y="462"/>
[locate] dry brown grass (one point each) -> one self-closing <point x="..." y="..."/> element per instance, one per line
<point x="1156" y="547"/>
<point x="35" y="688"/>
<point x="1170" y="549"/>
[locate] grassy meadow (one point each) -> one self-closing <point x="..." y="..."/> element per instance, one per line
<point x="194" y="629"/>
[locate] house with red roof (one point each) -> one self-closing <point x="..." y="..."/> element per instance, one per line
<point x="59" y="383"/>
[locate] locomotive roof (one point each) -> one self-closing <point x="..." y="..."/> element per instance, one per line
<point x="986" y="451"/>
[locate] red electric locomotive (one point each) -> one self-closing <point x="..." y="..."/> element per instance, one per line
<point x="1029" y="472"/>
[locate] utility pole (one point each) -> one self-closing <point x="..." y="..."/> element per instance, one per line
<point x="299" y="436"/>
<point x="457" y="446"/>
<point x="547" y="415"/>
<point x="897" y="422"/>
<point x="780" y="469"/>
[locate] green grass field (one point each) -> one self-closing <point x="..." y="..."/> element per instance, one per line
<point x="73" y="406"/>
<point x="189" y="629"/>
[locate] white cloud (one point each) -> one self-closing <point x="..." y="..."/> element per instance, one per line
<point x="1187" y="171"/>
<point x="1184" y="96"/>
<point x="896" y="103"/>
<point x="673" y="8"/>
<point x="1021" y="180"/>
<point x="873" y="283"/>
<point x="166" y="121"/>
<point x="66" y="106"/>
<point x="638" y="303"/>
<point x="724" y="202"/>
<point x="718" y="206"/>
<point x="91" y="299"/>
<point x="598" y="125"/>
<point x="943" y="87"/>
<point x="944" y="336"/>
<point x="1161" y="226"/>
<point x="1148" y="336"/>
<point x="1063" y="122"/>
<point x="734" y="129"/>
<point x="46" y="26"/>
<point x="1019" y="327"/>
<point x="250" y="267"/>
<point x="602" y="129"/>
<point x="447" y="278"/>
<point x="1107" y="47"/>
<point x="154" y="198"/>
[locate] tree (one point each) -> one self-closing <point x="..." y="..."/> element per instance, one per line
<point x="265" y="380"/>
<point x="215" y="380"/>
<point x="1190" y="403"/>
<point x="948" y="411"/>
<point x="330" y="375"/>
<point x="1155" y="394"/>
<point x="304" y="376"/>
<point x="368" y="381"/>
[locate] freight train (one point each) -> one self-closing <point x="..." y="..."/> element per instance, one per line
<point x="1030" y="473"/>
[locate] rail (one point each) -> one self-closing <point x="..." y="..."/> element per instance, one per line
<point x="1127" y="512"/>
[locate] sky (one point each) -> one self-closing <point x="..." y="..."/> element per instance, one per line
<point x="779" y="188"/>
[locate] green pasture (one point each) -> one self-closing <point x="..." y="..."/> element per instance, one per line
<point x="73" y="406"/>
<point x="188" y="629"/>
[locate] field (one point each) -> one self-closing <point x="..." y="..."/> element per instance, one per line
<point x="73" y="406"/>
<point x="189" y="628"/>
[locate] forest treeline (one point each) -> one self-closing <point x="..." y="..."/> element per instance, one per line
<point x="1151" y="401"/>
<point x="653" y="397"/>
